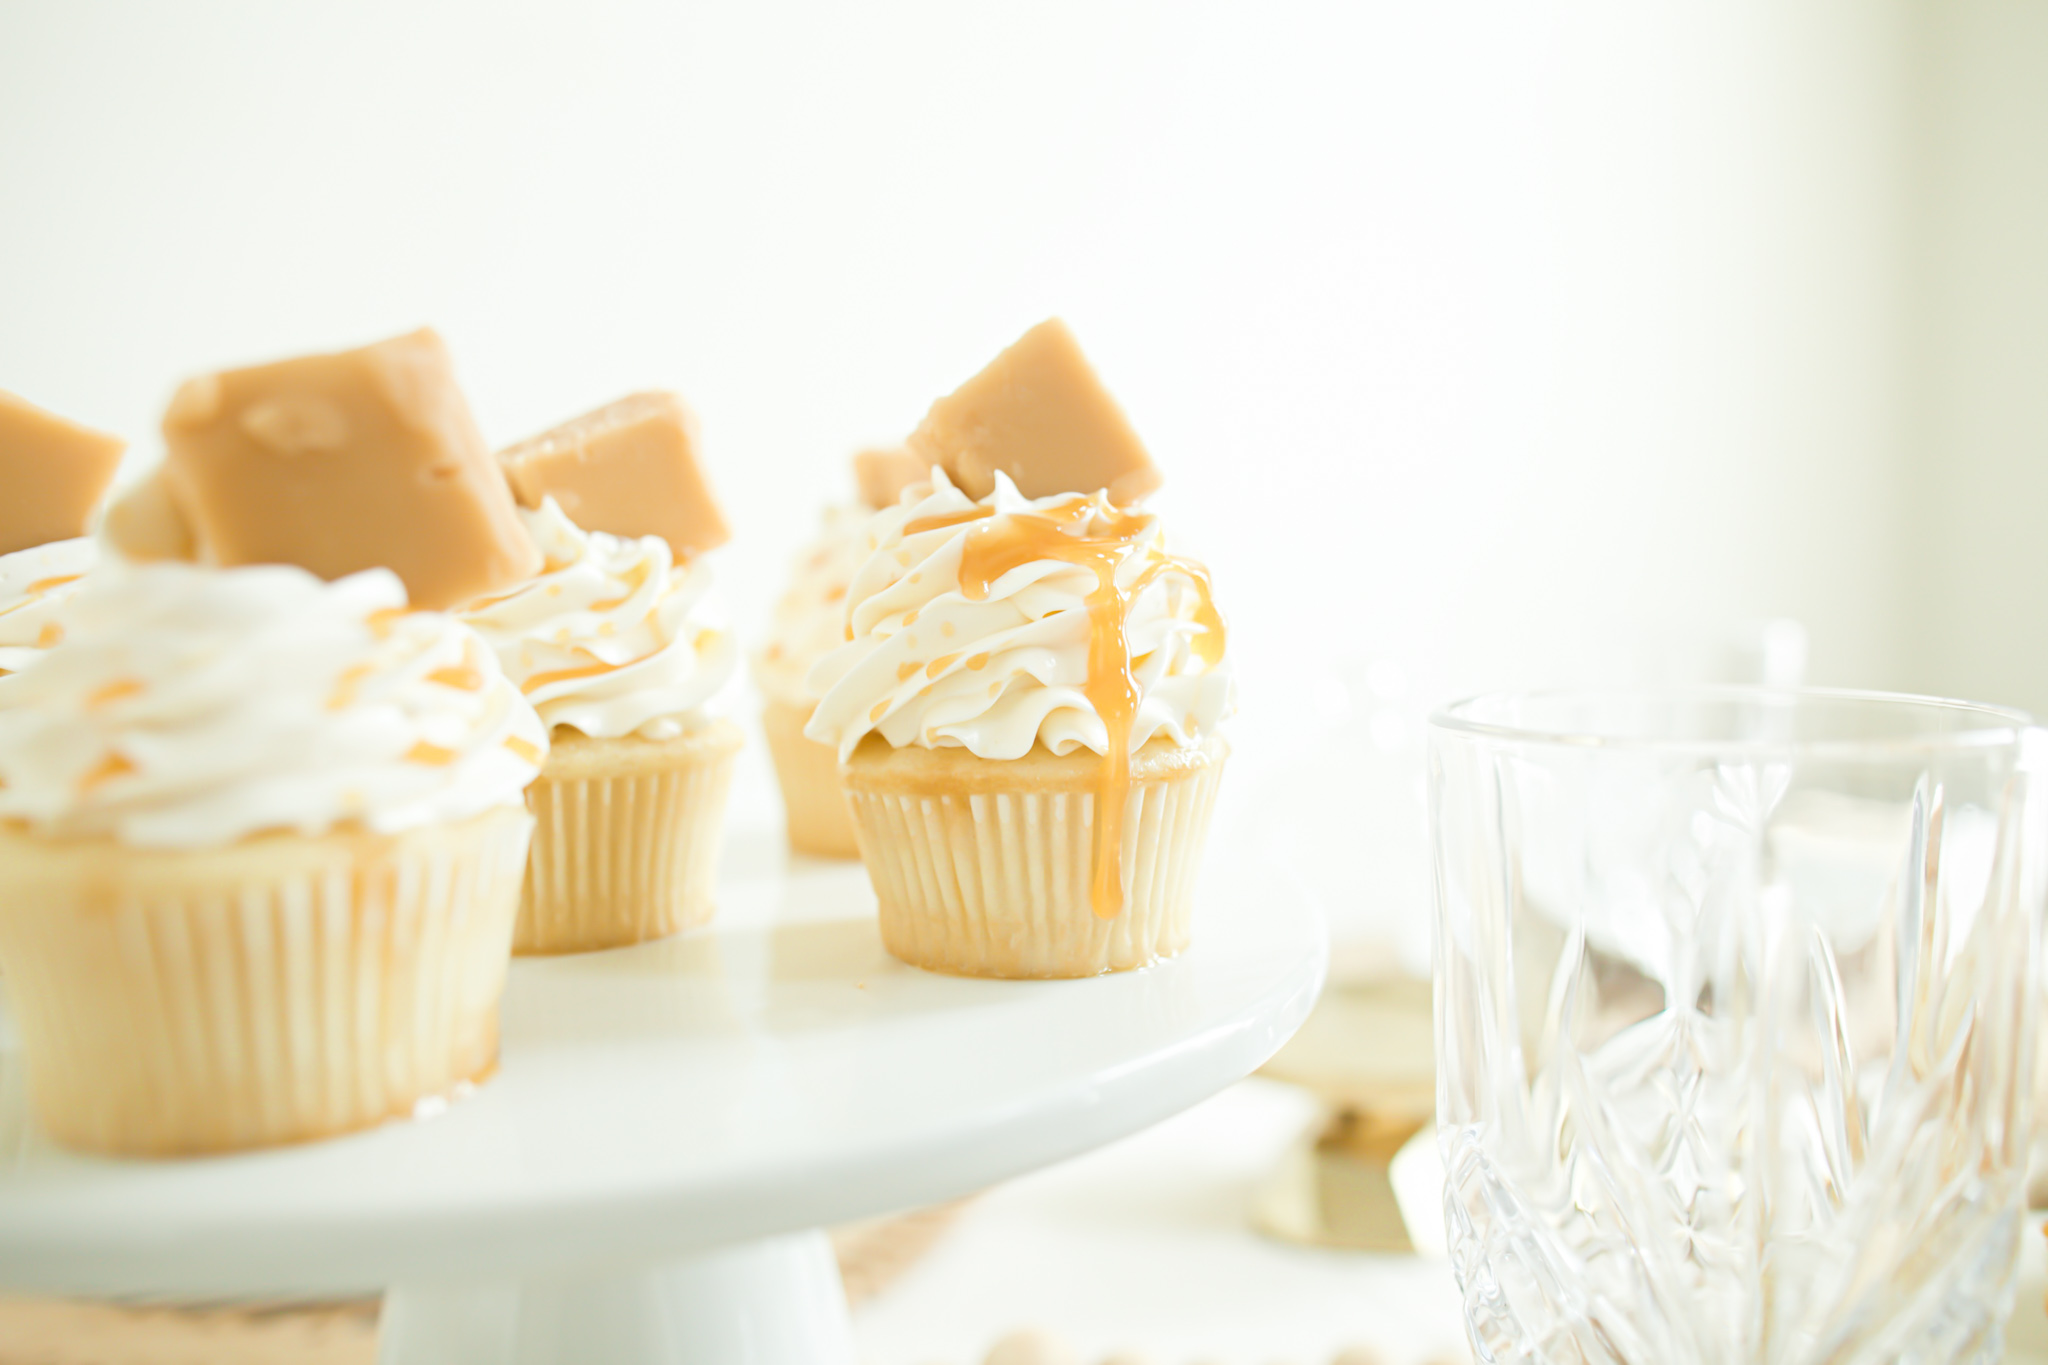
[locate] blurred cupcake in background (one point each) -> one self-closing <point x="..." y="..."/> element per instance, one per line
<point x="53" y="474"/>
<point x="809" y="623"/>
<point x="622" y="650"/>
<point x="621" y="645"/>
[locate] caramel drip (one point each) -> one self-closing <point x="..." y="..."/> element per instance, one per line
<point x="433" y="755"/>
<point x="344" y="693"/>
<point x="43" y="585"/>
<point x="383" y="619"/>
<point x="1093" y="535"/>
<point x="945" y="519"/>
<point x="106" y="770"/>
<point x="555" y="675"/>
<point x="462" y="677"/>
<point x="113" y="691"/>
<point x="525" y="748"/>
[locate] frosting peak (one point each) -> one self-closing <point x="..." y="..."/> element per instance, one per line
<point x="615" y="637"/>
<point x="974" y="623"/>
<point x="190" y="707"/>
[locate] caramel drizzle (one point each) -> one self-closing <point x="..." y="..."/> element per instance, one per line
<point x="36" y="591"/>
<point x="108" y="693"/>
<point x="463" y="677"/>
<point x="1089" y="533"/>
<point x="110" y="766"/>
<point x="537" y="681"/>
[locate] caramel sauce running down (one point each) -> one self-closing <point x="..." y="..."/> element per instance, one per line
<point x="1090" y="534"/>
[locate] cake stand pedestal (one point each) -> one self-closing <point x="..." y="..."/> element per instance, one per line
<point x="643" y="1181"/>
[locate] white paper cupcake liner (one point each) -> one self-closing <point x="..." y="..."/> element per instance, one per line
<point x="625" y="857"/>
<point x="275" y="991"/>
<point x="997" y="883"/>
<point x="808" y="773"/>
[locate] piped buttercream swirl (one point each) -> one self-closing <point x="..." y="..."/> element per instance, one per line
<point x="36" y="585"/>
<point x="1006" y="666"/>
<point x="810" y="617"/>
<point x="615" y="637"/>
<point x="192" y="707"/>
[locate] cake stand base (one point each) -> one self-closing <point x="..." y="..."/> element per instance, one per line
<point x="771" y="1302"/>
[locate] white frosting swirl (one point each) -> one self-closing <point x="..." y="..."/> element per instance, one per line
<point x="36" y="585"/>
<point x="191" y="707"/>
<point x="927" y="666"/>
<point x="614" y="637"/>
<point x="810" y="620"/>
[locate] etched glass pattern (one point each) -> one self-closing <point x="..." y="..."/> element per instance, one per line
<point x="1735" y="1019"/>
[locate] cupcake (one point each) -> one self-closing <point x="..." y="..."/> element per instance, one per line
<point x="809" y="623"/>
<point x="1027" y="719"/>
<point x="619" y="647"/>
<point x="260" y="846"/>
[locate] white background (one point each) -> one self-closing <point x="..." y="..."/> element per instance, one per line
<point x="1483" y="343"/>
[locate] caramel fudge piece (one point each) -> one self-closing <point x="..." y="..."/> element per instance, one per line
<point x="344" y="462"/>
<point x="883" y="475"/>
<point x="52" y="473"/>
<point x="1039" y="414"/>
<point x="630" y="468"/>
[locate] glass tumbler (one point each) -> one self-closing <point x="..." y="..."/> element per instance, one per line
<point x="1735" y="1008"/>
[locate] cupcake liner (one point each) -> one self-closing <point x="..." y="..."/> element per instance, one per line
<point x="626" y="839"/>
<point x="808" y="773"/>
<point x="277" y="990"/>
<point x="996" y="883"/>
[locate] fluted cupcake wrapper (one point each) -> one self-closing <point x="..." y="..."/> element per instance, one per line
<point x="808" y="773"/>
<point x="626" y="855"/>
<point x="274" y="991"/>
<point x="997" y="883"/>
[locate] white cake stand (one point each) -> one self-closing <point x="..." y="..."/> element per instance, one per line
<point x="643" y="1180"/>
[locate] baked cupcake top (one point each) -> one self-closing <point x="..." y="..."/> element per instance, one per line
<point x="810" y="618"/>
<point x="615" y="637"/>
<point x="1009" y="622"/>
<point x="192" y="707"/>
<point x="35" y="586"/>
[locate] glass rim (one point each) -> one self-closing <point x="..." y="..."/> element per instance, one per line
<point x="2011" y="728"/>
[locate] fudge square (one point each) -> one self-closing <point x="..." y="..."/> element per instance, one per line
<point x="344" y="462"/>
<point x="52" y="473"/>
<point x="631" y="468"/>
<point x="883" y="473"/>
<point x="1038" y="413"/>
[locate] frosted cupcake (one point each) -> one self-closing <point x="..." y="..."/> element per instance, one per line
<point x="260" y="847"/>
<point x="809" y="623"/>
<point x="1027" y="718"/>
<point x="35" y="587"/>
<point x="619" y="646"/>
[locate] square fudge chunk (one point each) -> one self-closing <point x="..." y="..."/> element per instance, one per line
<point x="1039" y="414"/>
<point x="345" y="462"/>
<point x="52" y="474"/>
<point x="631" y="468"/>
